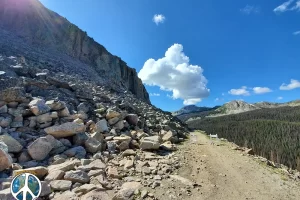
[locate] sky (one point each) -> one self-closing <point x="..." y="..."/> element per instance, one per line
<point x="197" y="51"/>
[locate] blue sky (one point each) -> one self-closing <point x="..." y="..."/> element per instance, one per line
<point x="217" y="51"/>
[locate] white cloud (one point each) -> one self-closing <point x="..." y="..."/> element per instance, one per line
<point x="250" y="9"/>
<point x="158" y="18"/>
<point x="261" y="90"/>
<point x="286" y="6"/>
<point x="173" y="72"/>
<point x="279" y="98"/>
<point x="292" y="85"/>
<point x="296" y="33"/>
<point x="223" y="94"/>
<point x="154" y="94"/>
<point x="242" y="91"/>
<point x="217" y="99"/>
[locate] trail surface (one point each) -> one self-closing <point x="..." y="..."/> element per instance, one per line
<point x="225" y="174"/>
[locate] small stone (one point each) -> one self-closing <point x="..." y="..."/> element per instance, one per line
<point x="112" y="172"/>
<point x="46" y="189"/>
<point x="55" y="175"/>
<point x="128" y="164"/>
<point x="144" y="194"/>
<point x="101" y="126"/>
<point x="5" y="160"/>
<point x="112" y="114"/>
<point x="92" y="145"/>
<point x="38" y="107"/>
<point x="128" y="152"/>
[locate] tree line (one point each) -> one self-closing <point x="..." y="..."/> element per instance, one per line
<point x="273" y="133"/>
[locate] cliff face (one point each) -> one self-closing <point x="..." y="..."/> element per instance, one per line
<point x="37" y="25"/>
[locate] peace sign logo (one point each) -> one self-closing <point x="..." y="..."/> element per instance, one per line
<point x="26" y="187"/>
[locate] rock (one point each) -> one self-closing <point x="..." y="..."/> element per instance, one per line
<point x="92" y="145"/>
<point x="46" y="189"/>
<point x="66" y="166"/>
<point x="119" y="125"/>
<point x="84" y="107"/>
<point x="80" y="138"/>
<point x="5" y="121"/>
<point x="112" y="172"/>
<point x="77" y="176"/>
<point x="64" y="112"/>
<point x="132" y="119"/>
<point x="38" y="107"/>
<point x="5" y="160"/>
<point x="182" y="180"/>
<point x="97" y="172"/>
<point x="12" y="144"/>
<point x="113" y="120"/>
<point x="101" y="126"/>
<point x="6" y="194"/>
<point x="83" y="189"/>
<point x="16" y="166"/>
<point x="96" y="164"/>
<point x="60" y="185"/>
<point x="3" y="109"/>
<point x="144" y="194"/>
<point x="98" y="136"/>
<point x="65" y="130"/>
<point x="111" y="146"/>
<point x="124" y="145"/>
<point x="40" y="148"/>
<point x="55" y="105"/>
<point x="96" y="195"/>
<point x="67" y="195"/>
<point x="77" y="152"/>
<point x="112" y="114"/>
<point x="47" y="117"/>
<point x="168" y="136"/>
<point x="3" y="146"/>
<point x="40" y="172"/>
<point x="249" y="151"/>
<point x="55" y="175"/>
<point x="127" y="191"/>
<point x="128" y="152"/>
<point x="24" y="157"/>
<point x="168" y="146"/>
<point x="128" y="164"/>
<point x="150" y="143"/>
<point x="86" y="161"/>
<point x="13" y="94"/>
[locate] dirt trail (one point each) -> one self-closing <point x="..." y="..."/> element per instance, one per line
<point x="225" y="174"/>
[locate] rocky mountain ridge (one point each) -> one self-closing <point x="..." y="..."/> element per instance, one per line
<point x="34" y="25"/>
<point x="190" y="109"/>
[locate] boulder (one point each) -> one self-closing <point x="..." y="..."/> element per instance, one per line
<point x="92" y="145"/>
<point x="150" y="143"/>
<point x="46" y="189"/>
<point x="38" y="107"/>
<point x="112" y="114"/>
<point x="13" y="94"/>
<point x="128" y="152"/>
<point x="66" y="166"/>
<point x="40" y="148"/>
<point x="77" y="152"/>
<point x="96" y="195"/>
<point x="47" y="117"/>
<point x="132" y="119"/>
<point x="119" y="125"/>
<point x="65" y="130"/>
<point x="112" y="172"/>
<point x="127" y="191"/>
<point x="12" y="144"/>
<point x="80" y="138"/>
<point x="101" y="126"/>
<point x="168" y="146"/>
<point x="5" y="160"/>
<point x="60" y="185"/>
<point x="55" y="175"/>
<point x="40" y="172"/>
<point x="168" y="136"/>
<point x="113" y="120"/>
<point x="77" y="176"/>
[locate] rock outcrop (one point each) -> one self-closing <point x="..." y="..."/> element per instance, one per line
<point x="39" y="26"/>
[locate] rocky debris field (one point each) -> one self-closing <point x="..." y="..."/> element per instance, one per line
<point x="83" y="141"/>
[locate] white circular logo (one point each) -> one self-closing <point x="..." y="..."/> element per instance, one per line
<point x="26" y="187"/>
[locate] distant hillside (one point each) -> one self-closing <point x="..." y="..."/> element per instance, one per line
<point x="273" y="133"/>
<point x="190" y="109"/>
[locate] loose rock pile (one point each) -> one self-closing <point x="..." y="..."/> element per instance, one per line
<point x="81" y="139"/>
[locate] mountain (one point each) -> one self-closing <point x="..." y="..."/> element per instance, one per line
<point x="190" y="109"/>
<point x="27" y="23"/>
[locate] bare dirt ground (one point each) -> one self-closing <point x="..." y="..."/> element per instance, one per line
<point x="223" y="173"/>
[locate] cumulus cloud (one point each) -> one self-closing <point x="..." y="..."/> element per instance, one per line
<point x="261" y="90"/>
<point x="158" y="18"/>
<point x="174" y="73"/>
<point x="248" y="9"/>
<point x="292" y="85"/>
<point x="279" y="98"/>
<point x="296" y="33"/>
<point x="287" y="6"/>
<point x="154" y="94"/>
<point x="243" y="91"/>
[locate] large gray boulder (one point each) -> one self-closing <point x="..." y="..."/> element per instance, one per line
<point x="150" y="143"/>
<point x="5" y="160"/>
<point x="12" y="144"/>
<point x="66" y="129"/>
<point x="40" y="148"/>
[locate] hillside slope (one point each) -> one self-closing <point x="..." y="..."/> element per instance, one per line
<point x="272" y="133"/>
<point x="30" y="22"/>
